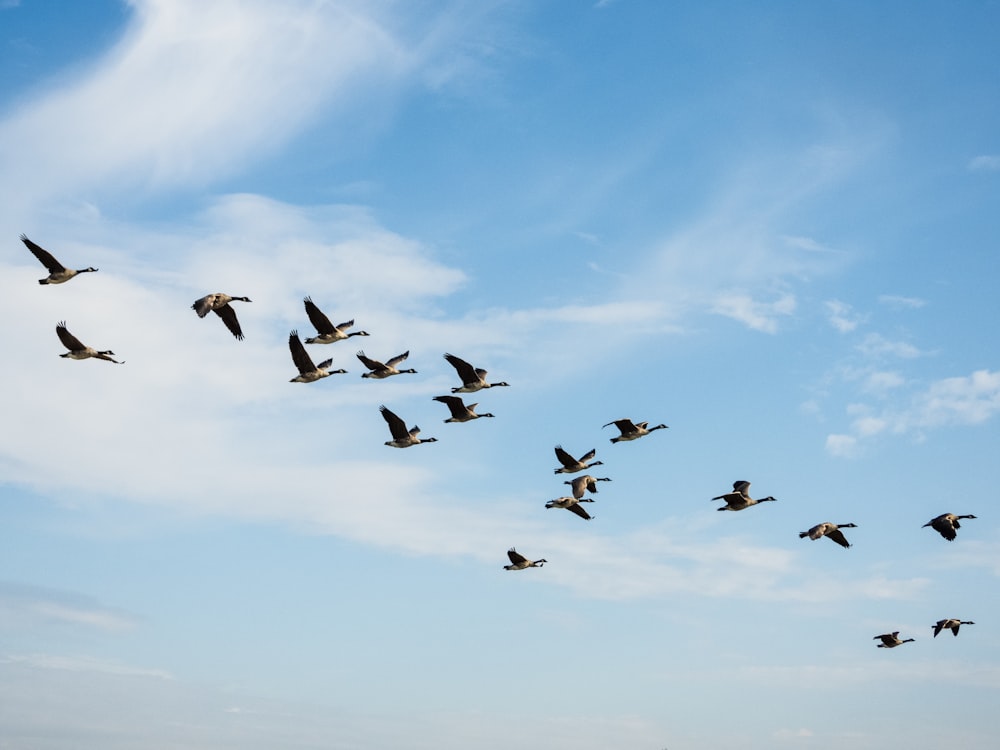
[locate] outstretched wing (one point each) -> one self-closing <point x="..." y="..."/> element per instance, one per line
<point x="47" y="259"/>
<point x="838" y="536"/>
<point x="300" y="356"/>
<point x="228" y="315"/>
<point x="564" y="458"/>
<point x="625" y="425"/>
<point x="371" y="364"/>
<point x="320" y="322"/>
<point x="575" y="508"/>
<point x="455" y="405"/>
<point x="397" y="359"/>
<point x="516" y="557"/>
<point x="396" y="425"/>
<point x="465" y="371"/>
<point x="68" y="340"/>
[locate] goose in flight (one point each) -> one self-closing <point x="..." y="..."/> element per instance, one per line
<point x="78" y="351"/>
<point x="473" y="378"/>
<point x="571" y="504"/>
<point x="830" y="531"/>
<point x="950" y="624"/>
<point x="520" y="562"/>
<point x="460" y="411"/>
<point x="308" y="372"/>
<point x="379" y="370"/>
<point x="219" y="304"/>
<point x="739" y="498"/>
<point x="401" y="437"/>
<point x="570" y="465"/>
<point x="58" y="273"/>
<point x="585" y="482"/>
<point x="945" y="525"/>
<point x="327" y="332"/>
<point x="891" y="640"/>
<point x="632" y="431"/>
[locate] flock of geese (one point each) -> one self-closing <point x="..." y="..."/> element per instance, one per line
<point x="473" y="380"/>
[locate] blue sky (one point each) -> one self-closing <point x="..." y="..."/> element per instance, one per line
<point x="772" y="227"/>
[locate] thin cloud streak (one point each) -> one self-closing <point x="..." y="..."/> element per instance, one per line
<point x="232" y="80"/>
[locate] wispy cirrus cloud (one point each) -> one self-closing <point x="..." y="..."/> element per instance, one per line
<point x="899" y="302"/>
<point x="30" y="607"/>
<point x="985" y="163"/>
<point x="226" y="91"/>
<point x="955" y="401"/>
<point x="877" y="346"/>
<point x="760" y="316"/>
<point x="842" y="316"/>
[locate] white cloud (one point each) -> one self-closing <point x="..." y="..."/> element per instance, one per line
<point x="194" y="90"/>
<point x="899" y="302"/>
<point x="971" y="399"/>
<point x="844" y="446"/>
<point x="985" y="163"/>
<point x="60" y="663"/>
<point x="806" y="243"/>
<point x="877" y="346"/>
<point x="954" y="401"/>
<point x="31" y="607"/>
<point x="760" y="316"/>
<point x="882" y="381"/>
<point x="842" y="317"/>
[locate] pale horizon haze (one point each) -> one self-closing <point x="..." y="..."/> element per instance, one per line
<point x="772" y="227"/>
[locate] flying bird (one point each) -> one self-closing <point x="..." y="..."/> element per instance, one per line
<point x="632" y="431"/>
<point x="219" y="304"/>
<point x="401" y="437"/>
<point x="950" y="624"/>
<point x="570" y="465"/>
<point x="830" y="531"/>
<point x="739" y="498"/>
<point x="308" y="372"/>
<point x="585" y="482"/>
<point x="945" y="525"/>
<point x="460" y="411"/>
<point x="78" y="351"/>
<point x="58" y="273"/>
<point x="520" y="562"/>
<point x="379" y="370"/>
<point x="327" y="332"/>
<point x="571" y="504"/>
<point x="473" y="378"/>
<point x="891" y="640"/>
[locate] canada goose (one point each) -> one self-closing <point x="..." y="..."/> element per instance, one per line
<point x="473" y="378"/>
<point x="570" y="465"/>
<point x="830" y="531"/>
<point x="632" y="431"/>
<point x="520" y="562"/>
<point x="401" y="437"/>
<point x="77" y="350"/>
<point x="585" y="482"/>
<point x="58" y="273"/>
<point x="739" y="498"/>
<point x="308" y="372"/>
<point x="460" y="412"/>
<point x="945" y="525"/>
<point x="891" y="640"/>
<point x="327" y="331"/>
<point x="381" y="370"/>
<point x="219" y="304"/>
<point x="951" y="624"/>
<point x="571" y="504"/>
